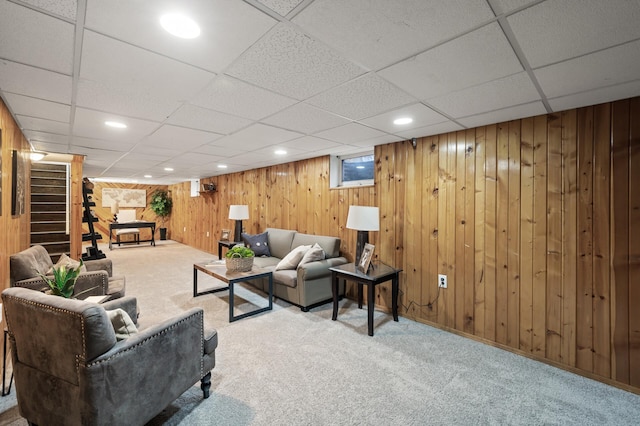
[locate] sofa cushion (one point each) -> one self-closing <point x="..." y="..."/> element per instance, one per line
<point x="122" y="324"/>
<point x="280" y="241"/>
<point x="313" y="254"/>
<point x="330" y="245"/>
<point x="258" y="243"/>
<point x="288" y="277"/>
<point x="291" y="260"/>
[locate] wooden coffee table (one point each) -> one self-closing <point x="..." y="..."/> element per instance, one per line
<point x="219" y="271"/>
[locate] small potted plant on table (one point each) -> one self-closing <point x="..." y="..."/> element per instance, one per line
<point x="239" y="259"/>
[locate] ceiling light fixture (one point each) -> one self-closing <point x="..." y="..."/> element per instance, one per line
<point x="168" y="169"/>
<point x="115" y="124"/>
<point x="148" y="176"/>
<point x="280" y="152"/>
<point x="403" y="120"/>
<point x="222" y="166"/>
<point x="180" y="25"/>
<point x="36" y="155"/>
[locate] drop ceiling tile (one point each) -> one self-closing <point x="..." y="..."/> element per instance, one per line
<point x="90" y="123"/>
<point x="40" y="124"/>
<point x="228" y="28"/>
<point x="159" y="153"/>
<point x="434" y="129"/>
<point x="378" y="140"/>
<point x="119" y="146"/>
<point x="480" y="56"/>
<point x="25" y="105"/>
<point x="309" y="144"/>
<point x="595" y="97"/>
<point x="206" y="119"/>
<point x="169" y="136"/>
<point x="239" y="98"/>
<point x="556" y="30"/>
<point x="34" y="82"/>
<point x="256" y="137"/>
<point x="520" y="111"/>
<point x="305" y="118"/>
<point x="193" y="158"/>
<point x="148" y="81"/>
<point x="64" y="8"/>
<point x="421" y="115"/>
<point x="507" y="6"/>
<point x="50" y="147"/>
<point x="33" y="135"/>
<point x="497" y="94"/>
<point x="96" y="156"/>
<point x="293" y="64"/>
<point x="36" y="39"/>
<point x="379" y="33"/>
<point x="218" y="150"/>
<point x="349" y="133"/>
<point x="282" y="7"/>
<point x="591" y="71"/>
<point x="361" y="98"/>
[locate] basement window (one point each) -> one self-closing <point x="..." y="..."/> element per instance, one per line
<point x="351" y="170"/>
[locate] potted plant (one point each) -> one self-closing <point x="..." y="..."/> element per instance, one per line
<point x="161" y="205"/>
<point x="239" y="259"/>
<point x="64" y="280"/>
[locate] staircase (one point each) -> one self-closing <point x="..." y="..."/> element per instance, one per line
<point x="49" y="208"/>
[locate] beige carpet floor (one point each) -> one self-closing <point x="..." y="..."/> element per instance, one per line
<point x="287" y="367"/>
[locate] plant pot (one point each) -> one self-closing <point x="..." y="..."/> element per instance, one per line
<point x="163" y="234"/>
<point x="239" y="264"/>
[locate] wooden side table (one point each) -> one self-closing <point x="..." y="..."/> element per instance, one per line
<point x="380" y="273"/>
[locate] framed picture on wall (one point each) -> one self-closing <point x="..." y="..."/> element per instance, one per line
<point x="365" y="259"/>
<point x="18" y="183"/>
<point x="224" y="236"/>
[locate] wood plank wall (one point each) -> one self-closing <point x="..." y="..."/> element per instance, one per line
<point x="14" y="230"/>
<point x="535" y="222"/>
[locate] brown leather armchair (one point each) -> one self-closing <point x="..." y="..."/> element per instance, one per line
<point x="70" y="370"/>
<point x="98" y="280"/>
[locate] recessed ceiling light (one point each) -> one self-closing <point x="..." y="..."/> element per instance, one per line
<point x="222" y="166"/>
<point x="179" y="25"/>
<point x="115" y="124"/>
<point x="168" y="169"/>
<point x="148" y="176"/>
<point x="403" y="120"/>
<point x="280" y="152"/>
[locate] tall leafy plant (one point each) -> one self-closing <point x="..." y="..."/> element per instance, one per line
<point x="161" y="204"/>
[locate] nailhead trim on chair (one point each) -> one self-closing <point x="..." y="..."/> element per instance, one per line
<point x="154" y="336"/>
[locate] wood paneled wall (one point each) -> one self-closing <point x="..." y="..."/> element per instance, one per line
<point x="535" y="222"/>
<point x="14" y="230"/>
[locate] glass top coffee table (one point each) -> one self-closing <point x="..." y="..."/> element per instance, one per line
<point x="219" y="271"/>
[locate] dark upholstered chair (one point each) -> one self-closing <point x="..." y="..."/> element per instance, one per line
<point x="70" y="370"/>
<point x="98" y="280"/>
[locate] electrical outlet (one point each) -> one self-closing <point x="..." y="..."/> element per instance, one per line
<point x="184" y="229"/>
<point x="207" y="233"/>
<point x="442" y="281"/>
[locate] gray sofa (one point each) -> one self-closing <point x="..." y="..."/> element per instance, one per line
<point x="309" y="285"/>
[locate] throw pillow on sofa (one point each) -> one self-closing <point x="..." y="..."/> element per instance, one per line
<point x="258" y="243"/>
<point x="314" y="253"/>
<point x="67" y="262"/>
<point x="122" y="323"/>
<point x="294" y="257"/>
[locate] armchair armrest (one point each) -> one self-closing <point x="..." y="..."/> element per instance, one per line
<point x="319" y="268"/>
<point x="128" y="303"/>
<point x="100" y="265"/>
<point x="95" y="283"/>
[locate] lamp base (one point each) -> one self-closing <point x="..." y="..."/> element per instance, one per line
<point x="237" y="234"/>
<point x="363" y="238"/>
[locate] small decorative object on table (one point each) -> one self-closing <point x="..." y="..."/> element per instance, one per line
<point x="365" y="259"/>
<point x="239" y="259"/>
<point x="225" y="235"/>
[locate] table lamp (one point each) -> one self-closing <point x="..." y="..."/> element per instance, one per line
<point x="363" y="219"/>
<point x="115" y="209"/>
<point x="238" y="213"/>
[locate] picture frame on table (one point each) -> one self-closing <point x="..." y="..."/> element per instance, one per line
<point x="224" y="235"/>
<point x="365" y="258"/>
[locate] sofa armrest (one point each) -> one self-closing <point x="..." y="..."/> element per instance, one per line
<point x="100" y="265"/>
<point x="128" y="303"/>
<point x="319" y="268"/>
<point x="36" y="283"/>
<point x="95" y="283"/>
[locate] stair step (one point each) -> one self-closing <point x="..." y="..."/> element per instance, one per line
<point x="48" y="227"/>
<point x="48" y="217"/>
<point x="50" y="237"/>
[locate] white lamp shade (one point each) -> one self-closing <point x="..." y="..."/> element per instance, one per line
<point x="239" y="212"/>
<point x="115" y="207"/>
<point x="363" y="218"/>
